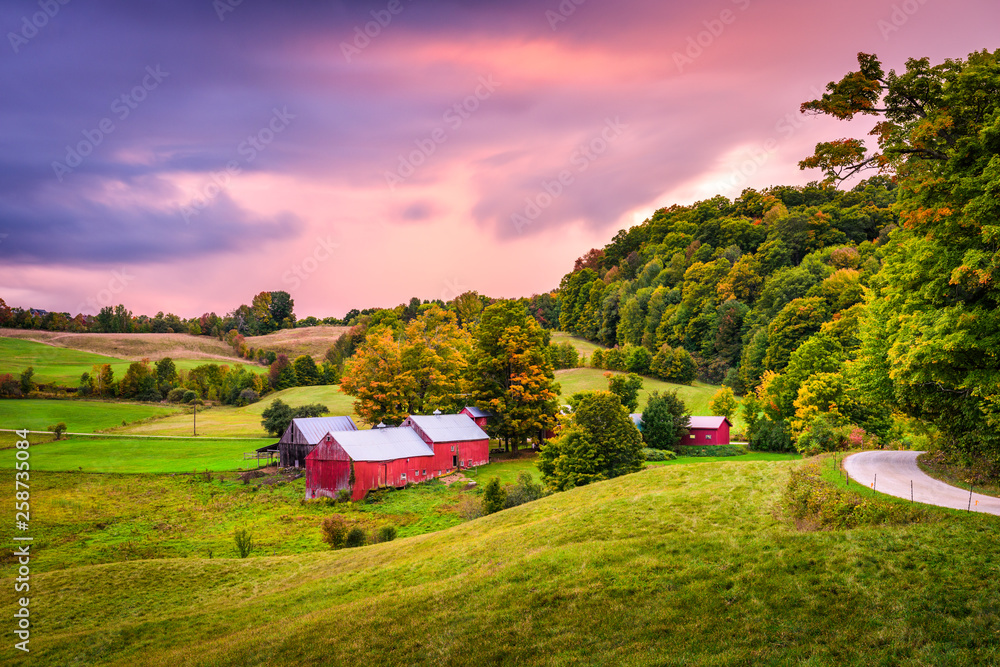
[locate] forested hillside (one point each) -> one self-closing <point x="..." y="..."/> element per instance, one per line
<point x="842" y="315"/>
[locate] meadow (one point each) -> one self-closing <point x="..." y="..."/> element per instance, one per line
<point x="63" y="366"/>
<point x="680" y="564"/>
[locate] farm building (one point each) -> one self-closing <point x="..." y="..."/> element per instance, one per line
<point x="422" y="448"/>
<point x="708" y="431"/>
<point x="457" y="441"/>
<point x="477" y="415"/>
<point x="380" y="457"/>
<point x="303" y="434"/>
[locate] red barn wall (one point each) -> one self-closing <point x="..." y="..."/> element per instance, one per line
<point x="708" y="436"/>
<point x="328" y="470"/>
<point x="370" y="475"/>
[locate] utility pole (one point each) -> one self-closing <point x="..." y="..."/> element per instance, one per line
<point x="194" y="428"/>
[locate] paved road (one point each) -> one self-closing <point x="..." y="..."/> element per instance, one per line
<point x="895" y="471"/>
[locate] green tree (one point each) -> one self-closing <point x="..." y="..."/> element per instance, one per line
<point x="306" y="372"/>
<point x="494" y="496"/>
<point x="600" y="442"/>
<point x="626" y="388"/>
<point x="511" y="375"/>
<point x="166" y="371"/>
<point x="795" y="323"/>
<point x="665" y="421"/>
<point x="278" y="415"/>
<point x="139" y="382"/>
<point x="27" y="383"/>
<point x="932" y="321"/>
<point x="723" y="403"/>
<point x="281" y="373"/>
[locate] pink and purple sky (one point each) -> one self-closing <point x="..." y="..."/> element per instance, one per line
<point x="185" y="155"/>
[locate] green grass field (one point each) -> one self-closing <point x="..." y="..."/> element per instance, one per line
<point x="681" y="564"/>
<point x="62" y="366"/>
<point x="80" y="416"/>
<point x="696" y="397"/>
<point x="582" y="345"/>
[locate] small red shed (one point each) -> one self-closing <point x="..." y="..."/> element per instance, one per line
<point x="457" y="441"/>
<point x="708" y="431"/>
<point x="380" y="457"/>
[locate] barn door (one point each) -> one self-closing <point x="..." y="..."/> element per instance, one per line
<point x="381" y="476"/>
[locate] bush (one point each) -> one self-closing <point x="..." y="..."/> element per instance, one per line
<point x="814" y="502"/>
<point x="470" y="508"/>
<point x="176" y="395"/>
<point x="658" y="454"/>
<point x="334" y="531"/>
<point x="355" y="538"/>
<point x="714" y="450"/>
<point x="58" y="429"/>
<point x="343" y="496"/>
<point x="189" y="396"/>
<point x="494" y="496"/>
<point x="247" y="396"/>
<point x="244" y="542"/>
<point x="385" y="534"/>
<point x="525" y="491"/>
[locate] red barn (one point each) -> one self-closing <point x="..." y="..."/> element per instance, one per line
<point x="304" y="433"/>
<point x="477" y="415"/>
<point x="708" y="431"/>
<point x="457" y="441"/>
<point x="380" y="457"/>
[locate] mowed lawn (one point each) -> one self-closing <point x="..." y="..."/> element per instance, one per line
<point x="691" y="564"/>
<point x="63" y="366"/>
<point x="82" y="416"/>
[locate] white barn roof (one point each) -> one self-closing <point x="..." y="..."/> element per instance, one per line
<point x="448" y="428"/>
<point x="708" y="422"/>
<point x="382" y="444"/>
<point x="314" y="429"/>
<point x="476" y="412"/>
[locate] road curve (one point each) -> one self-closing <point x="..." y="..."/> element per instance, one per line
<point x="892" y="472"/>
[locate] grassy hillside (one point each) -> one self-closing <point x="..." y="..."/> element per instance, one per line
<point x="224" y="421"/>
<point x="63" y="366"/>
<point x="131" y="346"/>
<point x="696" y="397"/>
<point x="582" y="345"/>
<point x="673" y="565"/>
<point x="80" y="416"/>
<point x="313" y="341"/>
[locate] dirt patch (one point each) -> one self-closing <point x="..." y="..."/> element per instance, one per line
<point x="454" y="478"/>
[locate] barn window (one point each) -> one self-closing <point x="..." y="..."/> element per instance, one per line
<point x="708" y="437"/>
<point x="453" y="448"/>
<point x="402" y="475"/>
<point x="425" y="472"/>
<point x="692" y="436"/>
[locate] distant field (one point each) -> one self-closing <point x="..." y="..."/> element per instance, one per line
<point x="225" y="421"/>
<point x="79" y="415"/>
<point x="63" y="366"/>
<point x="142" y="455"/>
<point x="696" y="397"/>
<point x="582" y="345"/>
<point x="314" y="341"/>
<point x="131" y="346"/>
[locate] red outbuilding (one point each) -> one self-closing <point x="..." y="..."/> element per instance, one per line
<point x="477" y="415"/>
<point x="708" y="431"/>
<point x="457" y="441"/>
<point x="380" y="457"/>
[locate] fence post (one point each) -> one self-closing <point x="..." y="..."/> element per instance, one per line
<point x="911" y="490"/>
<point x="969" y="509"/>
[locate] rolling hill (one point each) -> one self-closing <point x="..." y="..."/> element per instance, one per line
<point x="678" y="565"/>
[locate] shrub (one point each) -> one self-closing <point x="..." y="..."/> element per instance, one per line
<point x="189" y="396"/>
<point x="385" y="534"/>
<point x="58" y="429"/>
<point x="176" y="395"/>
<point x="355" y="538"/>
<point x="815" y="503"/>
<point x="714" y="450"/>
<point x="334" y="531"/>
<point x="470" y="508"/>
<point x="494" y="496"/>
<point x="247" y="396"/>
<point x="525" y="491"/>
<point x="658" y="454"/>
<point x="9" y="386"/>
<point x="244" y="542"/>
<point x="343" y="496"/>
